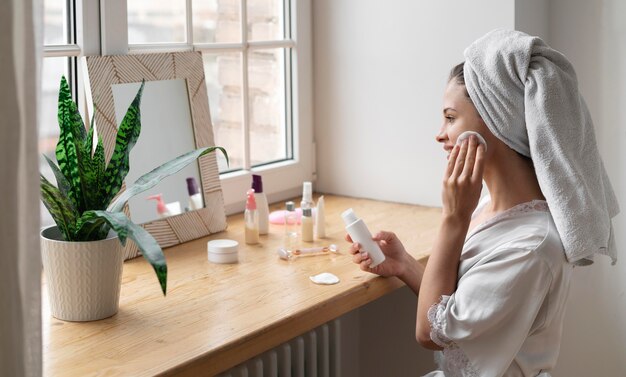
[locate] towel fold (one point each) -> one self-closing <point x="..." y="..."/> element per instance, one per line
<point x="527" y="94"/>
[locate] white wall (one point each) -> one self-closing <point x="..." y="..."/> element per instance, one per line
<point x="380" y="69"/>
<point x="592" y="34"/>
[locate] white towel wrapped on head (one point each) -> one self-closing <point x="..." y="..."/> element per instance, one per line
<point x="527" y="94"/>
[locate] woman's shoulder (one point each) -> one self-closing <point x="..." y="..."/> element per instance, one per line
<point x="526" y="233"/>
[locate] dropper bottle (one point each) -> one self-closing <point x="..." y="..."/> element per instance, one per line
<point x="291" y="232"/>
<point x="251" y="219"/>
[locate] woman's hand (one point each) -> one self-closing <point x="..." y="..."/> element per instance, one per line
<point x="397" y="260"/>
<point x="463" y="179"/>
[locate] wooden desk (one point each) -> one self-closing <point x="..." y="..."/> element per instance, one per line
<point x="216" y="316"/>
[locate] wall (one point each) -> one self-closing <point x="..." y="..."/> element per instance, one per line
<point x="592" y="34"/>
<point x="379" y="73"/>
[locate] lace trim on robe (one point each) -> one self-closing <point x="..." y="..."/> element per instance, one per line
<point x="454" y="361"/>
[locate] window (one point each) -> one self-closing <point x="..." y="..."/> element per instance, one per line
<point x="60" y="51"/>
<point x="257" y="59"/>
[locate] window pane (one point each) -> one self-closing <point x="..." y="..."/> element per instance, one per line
<point x="156" y="21"/>
<point x="216" y="21"/>
<point x="266" y="20"/>
<point x="52" y="70"/>
<point x="223" y="77"/>
<point x="269" y="135"/>
<point x="55" y="22"/>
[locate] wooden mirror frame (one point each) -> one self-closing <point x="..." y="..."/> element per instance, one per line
<point x="105" y="71"/>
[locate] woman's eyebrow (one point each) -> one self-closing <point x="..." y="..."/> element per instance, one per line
<point x="448" y="109"/>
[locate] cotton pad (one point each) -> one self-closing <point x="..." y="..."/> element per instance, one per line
<point x="325" y="278"/>
<point x="467" y="134"/>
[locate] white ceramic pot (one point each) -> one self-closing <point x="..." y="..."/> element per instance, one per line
<point x="83" y="278"/>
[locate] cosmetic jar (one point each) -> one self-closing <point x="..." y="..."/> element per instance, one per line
<point x="223" y="251"/>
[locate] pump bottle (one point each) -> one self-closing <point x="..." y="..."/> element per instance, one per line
<point x="251" y="219"/>
<point x="358" y="231"/>
<point x="261" y="203"/>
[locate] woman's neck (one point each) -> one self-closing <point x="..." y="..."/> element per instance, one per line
<point x="511" y="180"/>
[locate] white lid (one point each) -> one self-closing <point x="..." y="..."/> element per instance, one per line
<point x="222" y="246"/>
<point x="307" y="191"/>
<point x="349" y="216"/>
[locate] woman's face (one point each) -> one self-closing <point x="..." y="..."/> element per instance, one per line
<point x="459" y="115"/>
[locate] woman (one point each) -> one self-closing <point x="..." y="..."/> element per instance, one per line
<point x="493" y="292"/>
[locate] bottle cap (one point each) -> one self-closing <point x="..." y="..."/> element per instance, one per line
<point x="192" y="186"/>
<point x="250" y="202"/>
<point x="306" y="212"/>
<point x="349" y="216"/>
<point x="307" y="192"/>
<point x="257" y="183"/>
<point x="290" y="206"/>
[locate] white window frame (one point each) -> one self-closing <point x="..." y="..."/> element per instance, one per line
<point x="283" y="179"/>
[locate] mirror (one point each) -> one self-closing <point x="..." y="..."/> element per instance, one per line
<point x="175" y="119"/>
<point x="166" y="132"/>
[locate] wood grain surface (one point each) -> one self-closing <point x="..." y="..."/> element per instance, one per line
<point x="217" y="315"/>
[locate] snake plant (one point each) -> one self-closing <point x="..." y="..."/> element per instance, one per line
<point x="83" y="204"/>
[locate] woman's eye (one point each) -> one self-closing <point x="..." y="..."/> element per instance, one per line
<point x="450" y="119"/>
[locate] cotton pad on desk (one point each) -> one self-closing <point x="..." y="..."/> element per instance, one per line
<point x="325" y="278"/>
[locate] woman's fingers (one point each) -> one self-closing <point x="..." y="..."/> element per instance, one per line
<point x="460" y="161"/>
<point x="355" y="248"/>
<point x="477" y="174"/>
<point x="470" y="158"/>
<point x="451" y="161"/>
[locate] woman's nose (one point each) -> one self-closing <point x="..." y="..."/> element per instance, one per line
<point x="441" y="136"/>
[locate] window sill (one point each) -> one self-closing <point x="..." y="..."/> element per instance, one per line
<point x="217" y="316"/>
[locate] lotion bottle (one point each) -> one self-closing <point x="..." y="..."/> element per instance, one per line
<point x="358" y="231"/>
<point x="307" y="225"/>
<point x="261" y="203"/>
<point x="251" y="219"/>
<point x="195" y="198"/>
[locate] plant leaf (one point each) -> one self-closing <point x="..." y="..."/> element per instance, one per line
<point x="127" y="135"/>
<point x="66" y="149"/>
<point x="62" y="183"/>
<point x="149" y="180"/>
<point x="149" y="247"/>
<point x="59" y="207"/>
<point x="98" y="167"/>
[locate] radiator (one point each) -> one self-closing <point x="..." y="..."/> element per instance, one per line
<point x="314" y="354"/>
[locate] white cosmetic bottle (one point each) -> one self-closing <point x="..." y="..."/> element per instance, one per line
<point x="320" y="219"/>
<point x="195" y="198"/>
<point x="307" y="196"/>
<point x="263" y="208"/>
<point x="358" y="231"/>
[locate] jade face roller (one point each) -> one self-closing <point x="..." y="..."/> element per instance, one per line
<point x="309" y="251"/>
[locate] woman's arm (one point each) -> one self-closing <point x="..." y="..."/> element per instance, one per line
<point x="461" y="192"/>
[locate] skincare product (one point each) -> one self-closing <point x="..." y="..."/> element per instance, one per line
<point x="320" y="220"/>
<point x="467" y="134"/>
<point x="195" y="198"/>
<point x="358" y="231"/>
<point x="307" y="225"/>
<point x="291" y="233"/>
<point x="161" y="208"/>
<point x="223" y="251"/>
<point x="261" y="203"/>
<point x="173" y="208"/>
<point x="251" y="219"/>
<point x="307" y="252"/>
<point x="307" y="195"/>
